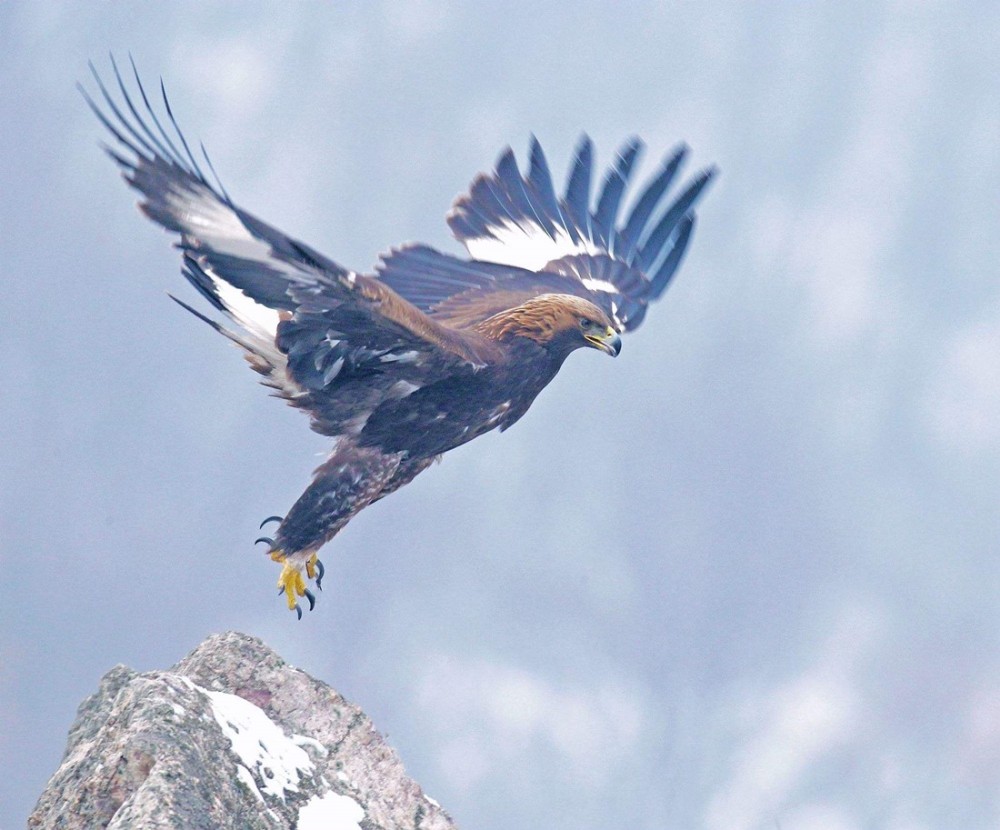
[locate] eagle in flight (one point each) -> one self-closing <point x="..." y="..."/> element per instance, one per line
<point x="429" y="351"/>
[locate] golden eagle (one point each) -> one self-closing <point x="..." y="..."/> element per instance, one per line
<point x="431" y="350"/>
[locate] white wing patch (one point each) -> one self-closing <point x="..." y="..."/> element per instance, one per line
<point x="256" y="318"/>
<point x="525" y="246"/>
<point x="259" y="324"/>
<point x="600" y="285"/>
<point x="211" y="222"/>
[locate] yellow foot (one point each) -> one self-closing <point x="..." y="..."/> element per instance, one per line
<point x="294" y="572"/>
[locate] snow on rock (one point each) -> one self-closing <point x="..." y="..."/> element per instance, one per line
<point x="303" y="740"/>
<point x="331" y="812"/>
<point x="247" y="778"/>
<point x="261" y="745"/>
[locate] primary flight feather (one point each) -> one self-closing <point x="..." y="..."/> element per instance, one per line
<point x="431" y="350"/>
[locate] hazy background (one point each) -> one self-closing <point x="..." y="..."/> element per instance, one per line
<point x="744" y="576"/>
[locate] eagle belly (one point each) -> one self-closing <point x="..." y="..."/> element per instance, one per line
<point x="443" y="415"/>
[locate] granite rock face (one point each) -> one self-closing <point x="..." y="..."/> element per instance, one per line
<point x="230" y="737"/>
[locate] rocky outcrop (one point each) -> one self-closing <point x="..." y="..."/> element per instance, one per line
<point x="230" y="737"/>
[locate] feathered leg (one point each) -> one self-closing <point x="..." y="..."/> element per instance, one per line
<point x="408" y="470"/>
<point x="348" y="481"/>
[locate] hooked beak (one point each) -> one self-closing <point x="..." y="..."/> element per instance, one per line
<point x="608" y="342"/>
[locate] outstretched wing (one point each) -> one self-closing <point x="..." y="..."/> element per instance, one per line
<point x="525" y="240"/>
<point x="328" y="340"/>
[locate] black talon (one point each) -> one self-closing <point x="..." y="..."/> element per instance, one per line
<point x="267" y="539"/>
<point x="312" y="599"/>
<point x="272" y="519"/>
<point x="281" y="591"/>
<point x="320" y="570"/>
<point x="298" y="611"/>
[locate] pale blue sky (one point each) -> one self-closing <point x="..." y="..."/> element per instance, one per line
<point x="747" y="573"/>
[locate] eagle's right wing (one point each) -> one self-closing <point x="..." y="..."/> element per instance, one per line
<point x="328" y="340"/>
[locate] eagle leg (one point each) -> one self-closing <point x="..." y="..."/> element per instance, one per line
<point x="347" y="482"/>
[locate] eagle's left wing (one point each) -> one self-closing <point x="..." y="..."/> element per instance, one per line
<point x="525" y="240"/>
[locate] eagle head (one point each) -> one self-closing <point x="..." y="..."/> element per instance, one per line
<point x="559" y="322"/>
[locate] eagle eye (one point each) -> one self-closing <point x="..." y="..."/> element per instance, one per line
<point x="585" y="323"/>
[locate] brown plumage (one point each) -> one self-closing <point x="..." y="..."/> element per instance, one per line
<point x="431" y="351"/>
